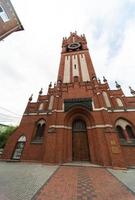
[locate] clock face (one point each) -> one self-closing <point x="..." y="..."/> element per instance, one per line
<point x="74" y="45"/>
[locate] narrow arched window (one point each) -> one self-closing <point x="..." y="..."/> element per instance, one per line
<point x="3" y="14"/>
<point x="40" y="128"/>
<point x="130" y="132"/>
<point x="19" y="148"/>
<point x="120" y="132"/>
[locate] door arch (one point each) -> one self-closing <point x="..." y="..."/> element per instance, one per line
<point x="19" y="148"/>
<point x="80" y="148"/>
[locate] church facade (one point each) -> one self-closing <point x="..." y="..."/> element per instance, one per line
<point x="80" y="118"/>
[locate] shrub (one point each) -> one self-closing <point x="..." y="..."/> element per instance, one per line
<point x="4" y="135"/>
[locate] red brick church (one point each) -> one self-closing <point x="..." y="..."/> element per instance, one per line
<point x="80" y="118"/>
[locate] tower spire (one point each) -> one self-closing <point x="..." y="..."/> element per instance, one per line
<point x="132" y="91"/>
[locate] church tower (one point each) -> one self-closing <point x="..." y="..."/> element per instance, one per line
<point x="75" y="63"/>
<point x="80" y="118"/>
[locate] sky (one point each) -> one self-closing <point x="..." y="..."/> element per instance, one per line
<point x="30" y="59"/>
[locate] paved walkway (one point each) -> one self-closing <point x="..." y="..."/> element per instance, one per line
<point x="20" y="181"/>
<point x="73" y="181"/>
<point x="127" y="177"/>
<point x="83" y="183"/>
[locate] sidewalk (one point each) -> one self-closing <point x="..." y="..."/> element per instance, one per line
<point x="83" y="183"/>
<point x="71" y="181"/>
<point x="127" y="177"/>
<point x="20" y="181"/>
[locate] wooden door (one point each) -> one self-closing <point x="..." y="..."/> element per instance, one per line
<point x="80" y="141"/>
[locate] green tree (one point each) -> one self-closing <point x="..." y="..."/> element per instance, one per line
<point x="4" y="135"/>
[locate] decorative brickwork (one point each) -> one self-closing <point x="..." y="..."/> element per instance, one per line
<point x="78" y="95"/>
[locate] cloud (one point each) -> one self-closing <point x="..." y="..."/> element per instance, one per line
<point x="30" y="59"/>
<point x="112" y="45"/>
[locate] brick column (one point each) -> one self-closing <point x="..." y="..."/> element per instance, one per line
<point x="116" y="155"/>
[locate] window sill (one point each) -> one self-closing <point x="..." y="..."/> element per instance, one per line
<point x="37" y="141"/>
<point x="127" y="142"/>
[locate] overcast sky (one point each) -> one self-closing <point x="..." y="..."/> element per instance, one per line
<point x="29" y="59"/>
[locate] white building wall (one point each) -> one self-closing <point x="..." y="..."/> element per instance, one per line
<point x="50" y="107"/>
<point x="75" y="67"/>
<point x="84" y="68"/>
<point x="106" y="99"/>
<point x="119" y="102"/>
<point x="41" y="106"/>
<point x="66" y="78"/>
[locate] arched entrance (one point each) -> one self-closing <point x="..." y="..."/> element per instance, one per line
<point x="80" y="148"/>
<point x="19" y="148"/>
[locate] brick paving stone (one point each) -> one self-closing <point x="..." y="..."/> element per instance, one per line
<point x="108" y="187"/>
<point x="85" y="189"/>
<point x="83" y="183"/>
<point x="63" y="186"/>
